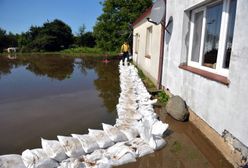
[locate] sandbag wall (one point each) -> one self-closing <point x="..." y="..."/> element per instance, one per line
<point x="137" y="132"/>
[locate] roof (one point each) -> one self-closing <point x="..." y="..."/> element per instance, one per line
<point x="141" y="17"/>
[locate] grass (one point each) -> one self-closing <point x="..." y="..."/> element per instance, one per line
<point x="147" y="82"/>
<point x="158" y="94"/>
<point x="162" y="97"/>
<point x="78" y="51"/>
<point x="87" y="51"/>
<point x="176" y="147"/>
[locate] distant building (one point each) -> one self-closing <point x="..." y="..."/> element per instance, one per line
<point x="11" y="49"/>
<point x="146" y="44"/>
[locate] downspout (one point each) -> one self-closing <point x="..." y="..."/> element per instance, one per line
<point x="161" y="55"/>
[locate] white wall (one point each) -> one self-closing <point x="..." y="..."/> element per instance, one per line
<point x="148" y="65"/>
<point x="222" y="107"/>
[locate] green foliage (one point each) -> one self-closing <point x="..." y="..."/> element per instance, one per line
<point x="162" y="97"/>
<point x="7" y="40"/>
<point x="87" y="51"/>
<point x="52" y="36"/>
<point x="113" y="26"/>
<point x="83" y="50"/>
<point x="176" y="147"/>
<point x="147" y="82"/>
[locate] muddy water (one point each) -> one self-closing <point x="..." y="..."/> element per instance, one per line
<point x="45" y="96"/>
<point x="186" y="147"/>
<point x="49" y="95"/>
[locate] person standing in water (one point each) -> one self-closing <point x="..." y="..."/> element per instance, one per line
<point x="125" y="52"/>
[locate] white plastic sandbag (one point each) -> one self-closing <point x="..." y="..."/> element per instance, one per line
<point x="72" y="146"/>
<point x="121" y="154"/>
<point x="101" y="138"/>
<point x="11" y="161"/>
<point x="72" y="163"/>
<point x="114" y="133"/>
<point x="142" y="147"/>
<point x="95" y="156"/>
<point x="129" y="131"/>
<point x="53" y="149"/>
<point x="37" y="158"/>
<point x="158" y="128"/>
<point x="157" y="142"/>
<point x="144" y="129"/>
<point x="125" y="159"/>
<point x="88" y="142"/>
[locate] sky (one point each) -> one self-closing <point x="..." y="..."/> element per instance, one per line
<point x="17" y="16"/>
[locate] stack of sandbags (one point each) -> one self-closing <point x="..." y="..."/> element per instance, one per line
<point x="136" y="133"/>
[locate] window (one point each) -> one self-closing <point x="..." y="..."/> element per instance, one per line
<point x="137" y="39"/>
<point x="148" y="41"/>
<point x="211" y="36"/>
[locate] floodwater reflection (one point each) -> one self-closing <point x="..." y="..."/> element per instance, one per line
<point x="50" y="95"/>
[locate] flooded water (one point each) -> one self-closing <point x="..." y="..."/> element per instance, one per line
<point x="50" y="95"/>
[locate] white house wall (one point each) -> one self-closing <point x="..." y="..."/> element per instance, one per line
<point x="222" y="107"/>
<point x="148" y="65"/>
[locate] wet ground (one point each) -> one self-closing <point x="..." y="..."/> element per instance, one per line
<point x="49" y="95"/>
<point x="186" y="147"/>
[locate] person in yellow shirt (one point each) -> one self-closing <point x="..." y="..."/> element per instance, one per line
<point x="125" y="52"/>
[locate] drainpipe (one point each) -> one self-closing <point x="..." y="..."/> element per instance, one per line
<point x="161" y="55"/>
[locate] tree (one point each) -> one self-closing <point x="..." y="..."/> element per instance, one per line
<point x="3" y="39"/>
<point x="85" y="39"/>
<point x="52" y="36"/>
<point x="7" y="40"/>
<point x="113" y="26"/>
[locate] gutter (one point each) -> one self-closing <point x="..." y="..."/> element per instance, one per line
<point x="161" y="55"/>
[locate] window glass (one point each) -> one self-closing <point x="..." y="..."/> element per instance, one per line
<point x="148" y="41"/>
<point x="231" y="22"/>
<point x="136" y="43"/>
<point x="197" y="36"/>
<point x="211" y="41"/>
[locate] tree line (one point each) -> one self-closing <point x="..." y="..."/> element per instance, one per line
<point x="112" y="28"/>
<point x="51" y="36"/>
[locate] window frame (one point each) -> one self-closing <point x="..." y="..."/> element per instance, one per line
<point x="148" y="51"/>
<point x="137" y="41"/>
<point x="222" y="38"/>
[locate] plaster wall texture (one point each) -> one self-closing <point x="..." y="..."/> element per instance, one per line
<point x="222" y="107"/>
<point x="148" y="65"/>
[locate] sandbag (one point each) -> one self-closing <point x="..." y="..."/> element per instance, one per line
<point x="142" y="148"/>
<point x="88" y="142"/>
<point x="114" y="133"/>
<point x="11" y="161"/>
<point x="53" y="149"/>
<point x="121" y="154"/>
<point x="157" y="143"/>
<point x="95" y="156"/>
<point x="72" y="163"/>
<point x="144" y="128"/>
<point x="37" y="158"/>
<point x="101" y="138"/>
<point x="125" y="159"/>
<point x="129" y="131"/>
<point x="48" y="163"/>
<point x="158" y="128"/>
<point x="128" y="114"/>
<point x="72" y="146"/>
<point x="126" y="122"/>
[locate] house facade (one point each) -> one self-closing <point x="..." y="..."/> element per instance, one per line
<point x="205" y="62"/>
<point x="146" y="45"/>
